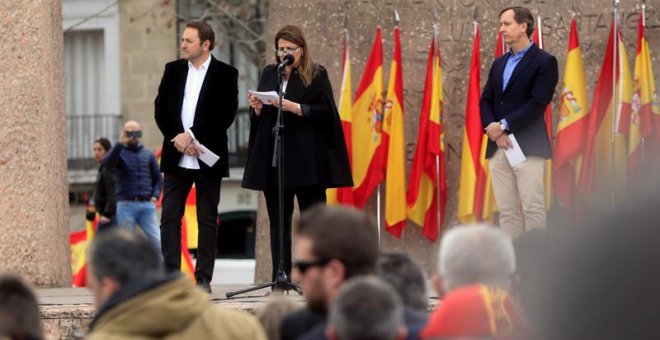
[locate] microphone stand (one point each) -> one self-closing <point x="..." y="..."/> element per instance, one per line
<point x="281" y="280"/>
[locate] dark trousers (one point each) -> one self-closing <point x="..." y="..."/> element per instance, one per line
<point x="307" y="197"/>
<point x="175" y="191"/>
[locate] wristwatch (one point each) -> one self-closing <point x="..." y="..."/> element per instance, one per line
<point x="502" y="127"/>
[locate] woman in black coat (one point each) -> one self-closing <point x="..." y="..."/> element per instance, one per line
<point x="104" y="188"/>
<point x="314" y="151"/>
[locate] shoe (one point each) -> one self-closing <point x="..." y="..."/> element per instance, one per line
<point x="204" y="285"/>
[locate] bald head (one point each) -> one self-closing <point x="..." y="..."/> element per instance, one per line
<point x="132" y="133"/>
<point x="132" y="125"/>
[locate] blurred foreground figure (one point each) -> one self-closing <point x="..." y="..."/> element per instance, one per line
<point x="19" y="310"/>
<point x="136" y="299"/>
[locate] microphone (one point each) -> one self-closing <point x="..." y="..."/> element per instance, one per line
<point x="287" y="60"/>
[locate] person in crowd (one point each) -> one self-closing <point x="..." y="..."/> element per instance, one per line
<point x="136" y="298"/>
<point x="475" y="312"/>
<point x="332" y="245"/>
<point x="474" y="254"/>
<point x="138" y="182"/>
<point x="270" y="316"/>
<point x="519" y="86"/>
<point x="104" y="187"/>
<point x="366" y="308"/>
<point x="409" y="281"/>
<point x="196" y="103"/>
<point x="19" y="310"/>
<point x="314" y="155"/>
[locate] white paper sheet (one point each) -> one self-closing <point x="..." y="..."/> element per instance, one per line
<point x="265" y="97"/>
<point x="514" y="154"/>
<point x="207" y="156"/>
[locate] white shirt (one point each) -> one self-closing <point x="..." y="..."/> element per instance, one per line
<point x="194" y="83"/>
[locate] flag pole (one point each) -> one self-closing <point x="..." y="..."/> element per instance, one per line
<point x="538" y="27"/>
<point x="643" y="146"/>
<point x="615" y="46"/>
<point x="436" y="43"/>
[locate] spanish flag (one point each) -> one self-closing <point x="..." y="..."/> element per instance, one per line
<point x="393" y="143"/>
<point x="427" y="189"/>
<point x="472" y="185"/>
<point x="645" y="111"/>
<point x="344" y="195"/>
<point x="79" y="241"/>
<point x="604" y="166"/>
<point x="571" y="127"/>
<point x="367" y="124"/>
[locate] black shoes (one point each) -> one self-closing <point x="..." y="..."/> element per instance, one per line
<point x="204" y="285"/>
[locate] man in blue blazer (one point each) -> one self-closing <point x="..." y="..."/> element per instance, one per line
<point x="196" y="104"/>
<point x="519" y="87"/>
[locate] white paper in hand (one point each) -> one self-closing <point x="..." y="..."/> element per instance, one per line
<point x="207" y="156"/>
<point x="265" y="97"/>
<point x="514" y="154"/>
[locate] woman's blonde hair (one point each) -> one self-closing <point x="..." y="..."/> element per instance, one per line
<point x="307" y="68"/>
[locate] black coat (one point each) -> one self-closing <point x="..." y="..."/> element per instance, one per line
<point x="314" y="150"/>
<point x="215" y="112"/>
<point x="523" y="101"/>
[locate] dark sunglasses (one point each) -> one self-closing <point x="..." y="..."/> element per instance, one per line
<point x="303" y="266"/>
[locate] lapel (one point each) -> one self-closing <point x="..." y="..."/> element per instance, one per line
<point x="524" y="62"/>
<point x="181" y="86"/>
<point x="204" y="91"/>
<point x="499" y="73"/>
<point x="294" y="88"/>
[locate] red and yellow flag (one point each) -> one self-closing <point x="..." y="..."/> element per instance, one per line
<point x="367" y="123"/>
<point x="393" y="144"/>
<point x="427" y="189"/>
<point x="604" y="165"/>
<point x="79" y="241"/>
<point x="472" y="185"/>
<point x="538" y="40"/>
<point x="645" y="111"/>
<point x="571" y="127"/>
<point x="344" y="195"/>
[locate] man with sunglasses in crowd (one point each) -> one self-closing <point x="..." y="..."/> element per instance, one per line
<point x="138" y="183"/>
<point x="332" y="244"/>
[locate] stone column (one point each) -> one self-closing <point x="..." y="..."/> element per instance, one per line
<point x="33" y="173"/>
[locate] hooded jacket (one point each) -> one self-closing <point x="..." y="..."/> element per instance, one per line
<point x="174" y="309"/>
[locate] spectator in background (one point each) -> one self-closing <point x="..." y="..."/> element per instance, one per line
<point x="270" y="316"/>
<point x="366" y="308"/>
<point x="409" y="281"/>
<point x="333" y="244"/>
<point x="474" y="254"/>
<point x="19" y="310"/>
<point x="104" y="187"/>
<point x="136" y="299"/>
<point x="138" y="182"/>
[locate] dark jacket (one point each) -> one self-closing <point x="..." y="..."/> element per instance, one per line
<point x="314" y="150"/>
<point x="215" y="112"/>
<point x="138" y="173"/>
<point x="104" y="192"/>
<point x="298" y="323"/>
<point x="523" y="101"/>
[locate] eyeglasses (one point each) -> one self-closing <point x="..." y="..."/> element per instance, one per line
<point x="282" y="51"/>
<point x="303" y="266"/>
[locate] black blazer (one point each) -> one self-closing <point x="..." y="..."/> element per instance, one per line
<point x="314" y="149"/>
<point x="215" y="112"/>
<point x="523" y="101"/>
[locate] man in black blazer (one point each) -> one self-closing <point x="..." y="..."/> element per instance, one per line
<point x="519" y="87"/>
<point x="196" y="104"/>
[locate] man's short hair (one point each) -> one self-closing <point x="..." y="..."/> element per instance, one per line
<point x="124" y="256"/>
<point x="476" y="254"/>
<point x="406" y="277"/>
<point x="341" y="233"/>
<point x="366" y="308"/>
<point x="205" y="32"/>
<point x="522" y="15"/>
<point x="19" y="309"/>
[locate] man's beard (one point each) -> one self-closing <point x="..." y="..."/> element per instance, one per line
<point x="133" y="143"/>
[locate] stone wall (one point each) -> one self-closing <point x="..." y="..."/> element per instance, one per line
<point x="33" y="178"/>
<point x="324" y="20"/>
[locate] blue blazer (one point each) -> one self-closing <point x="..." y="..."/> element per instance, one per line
<point x="523" y="101"/>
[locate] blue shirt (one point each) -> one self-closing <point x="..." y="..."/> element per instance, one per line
<point x="511" y="63"/>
